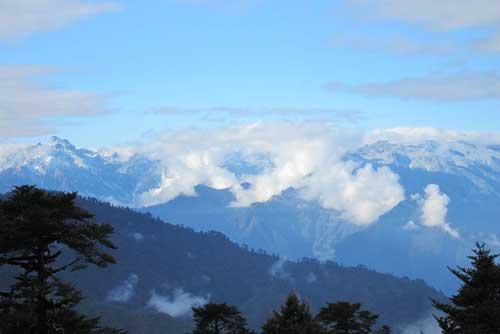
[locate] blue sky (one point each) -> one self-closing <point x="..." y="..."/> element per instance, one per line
<point x="103" y="72"/>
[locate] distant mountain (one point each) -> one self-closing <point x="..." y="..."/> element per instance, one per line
<point x="59" y="165"/>
<point x="463" y="178"/>
<point x="468" y="175"/>
<point x="164" y="269"/>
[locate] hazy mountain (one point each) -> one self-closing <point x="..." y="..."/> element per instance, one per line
<point x="164" y="269"/>
<point x="59" y="165"/>
<point x="465" y="195"/>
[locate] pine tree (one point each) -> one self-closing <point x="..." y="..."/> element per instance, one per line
<point x="219" y="319"/>
<point x="44" y="234"/>
<point x="346" y="318"/>
<point x="476" y="306"/>
<point x="294" y="317"/>
<point x="384" y="330"/>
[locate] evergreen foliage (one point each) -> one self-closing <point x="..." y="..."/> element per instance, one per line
<point x="294" y="317"/>
<point x="346" y="318"/>
<point x="476" y="306"/>
<point x="200" y="263"/>
<point x="219" y="319"/>
<point x="44" y="234"/>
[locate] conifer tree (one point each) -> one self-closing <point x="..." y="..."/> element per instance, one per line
<point x="384" y="330"/>
<point x="346" y="318"/>
<point x="44" y="234"/>
<point x="294" y="317"/>
<point x="476" y="306"/>
<point x="219" y="319"/>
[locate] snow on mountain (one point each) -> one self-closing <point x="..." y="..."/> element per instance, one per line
<point x="452" y="199"/>
<point x="478" y="163"/>
<point x="59" y="165"/>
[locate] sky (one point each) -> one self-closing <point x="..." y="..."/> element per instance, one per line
<point x="112" y="72"/>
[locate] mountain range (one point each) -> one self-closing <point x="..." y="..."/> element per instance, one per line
<point x="163" y="270"/>
<point x="451" y="199"/>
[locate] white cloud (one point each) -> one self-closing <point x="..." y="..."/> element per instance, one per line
<point x="396" y="44"/>
<point x="179" y="304"/>
<point x="29" y="107"/>
<point x="434" y="206"/>
<point x="123" y="292"/>
<point x="488" y="44"/>
<point x="442" y="15"/>
<point x="306" y="156"/>
<point x="427" y="325"/>
<point x="419" y="135"/>
<point x="410" y="226"/>
<point x="138" y="236"/>
<point x="19" y="18"/>
<point x="436" y="87"/>
<point x="311" y="278"/>
<point x="278" y="269"/>
<point x="224" y="113"/>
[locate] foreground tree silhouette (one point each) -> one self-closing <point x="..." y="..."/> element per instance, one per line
<point x="294" y="317"/>
<point x="43" y="234"/>
<point x="348" y="318"/>
<point x="476" y="306"/>
<point x="219" y="319"/>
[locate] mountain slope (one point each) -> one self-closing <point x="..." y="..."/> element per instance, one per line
<point x="463" y="177"/>
<point x="170" y="268"/>
<point x="59" y="165"/>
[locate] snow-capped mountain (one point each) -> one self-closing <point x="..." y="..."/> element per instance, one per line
<point x="59" y="165"/>
<point x="478" y="164"/>
<point x="452" y="199"/>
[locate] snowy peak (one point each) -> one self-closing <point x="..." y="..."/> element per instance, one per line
<point x="431" y="155"/>
<point x="60" y="144"/>
<point x="55" y="154"/>
<point x="59" y="165"/>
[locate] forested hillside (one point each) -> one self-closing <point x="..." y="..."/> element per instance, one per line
<point x="165" y="269"/>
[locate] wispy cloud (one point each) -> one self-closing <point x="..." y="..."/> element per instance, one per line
<point x="29" y="107"/>
<point x="20" y="18"/>
<point x="224" y="112"/>
<point x="124" y="291"/>
<point x="394" y="44"/>
<point x="489" y="44"/>
<point x="179" y="304"/>
<point x="230" y="5"/>
<point x="441" y="15"/>
<point x="427" y="325"/>
<point x="437" y="87"/>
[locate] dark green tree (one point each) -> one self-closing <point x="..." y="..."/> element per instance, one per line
<point x="294" y="317"/>
<point x="476" y="306"/>
<point x="219" y="319"/>
<point x="384" y="330"/>
<point x="43" y="234"/>
<point x="348" y="318"/>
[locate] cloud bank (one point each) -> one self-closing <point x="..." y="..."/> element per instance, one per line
<point x="307" y="157"/>
<point x="20" y="18"/>
<point x="179" y="304"/>
<point x="123" y="292"/>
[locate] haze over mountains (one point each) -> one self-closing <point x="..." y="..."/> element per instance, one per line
<point x="163" y="270"/>
<point x="403" y="208"/>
